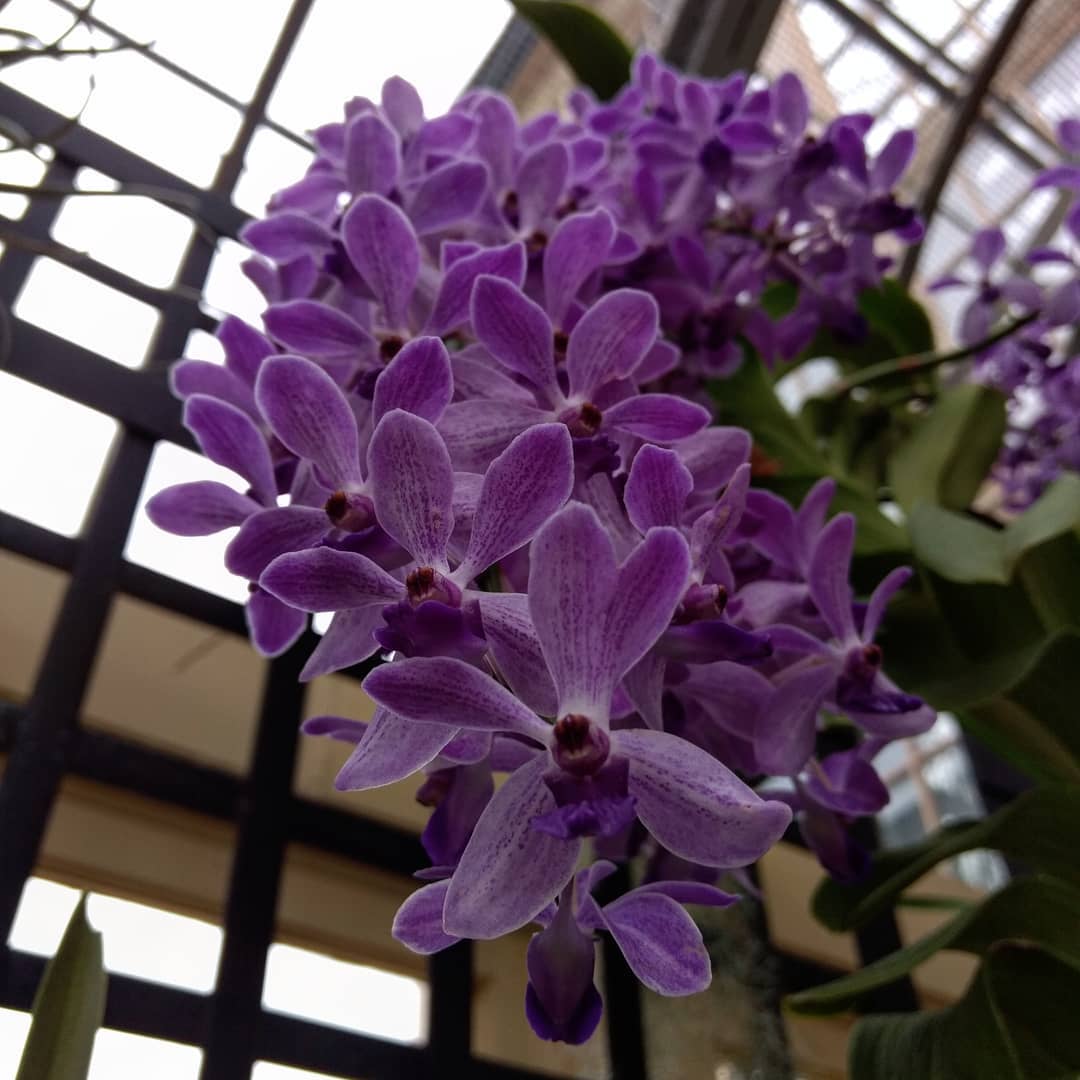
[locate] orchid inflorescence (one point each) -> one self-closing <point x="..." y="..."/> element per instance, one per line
<point x="473" y="430"/>
<point x="1038" y="367"/>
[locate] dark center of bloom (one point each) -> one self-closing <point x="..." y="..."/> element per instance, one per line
<point x="426" y="583"/>
<point x="701" y="602"/>
<point x="349" y="511"/>
<point x="536" y="243"/>
<point x="586" y="421"/>
<point x="435" y="788"/>
<point x="389" y="347"/>
<point x="560" y="340"/>
<point x="581" y="747"/>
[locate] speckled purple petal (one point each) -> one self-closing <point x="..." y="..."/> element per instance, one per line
<point x="657" y="488"/>
<point x="661" y="418"/>
<point x="785" y="732"/>
<point x="270" y="533"/>
<point x="695" y="806"/>
<point x="509" y="871"/>
<point x="477" y="431"/>
<point x="540" y="182"/>
<point x="516" y="332"/>
<point x="402" y="105"/>
<point x="578" y="248"/>
<point x="286" y="235"/>
<point x="273" y="626"/>
<point x="349" y="639"/>
<point x="392" y="749"/>
<point x="451" y="308"/>
<point x="418" y="380"/>
<point x="442" y="690"/>
<point x="323" y="579"/>
<point x="713" y="455"/>
<point x="523" y="487"/>
<point x="610" y="340"/>
<point x="512" y="639"/>
<point x="228" y="437"/>
<point x="892" y="160"/>
<point x="660" y="943"/>
<point x="418" y="924"/>
<point x="879" y="600"/>
<point x="412" y="484"/>
<point x="372" y="154"/>
<point x="572" y="577"/>
<point x="245" y="348"/>
<point x="828" y="576"/>
<point x="308" y="412"/>
<point x="189" y="377"/>
<point x="199" y="508"/>
<point x="381" y="243"/>
<point x="447" y="196"/>
<point x="314" y="329"/>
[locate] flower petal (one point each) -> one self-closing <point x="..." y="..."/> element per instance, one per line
<point x="314" y="329"/>
<point x="661" y="944"/>
<point x="200" y="508"/>
<point x="893" y="159"/>
<point x="660" y="418"/>
<point x="610" y="340"/>
<point x="229" y="437"/>
<point x="288" y="234"/>
<point x="189" y="377"/>
<point x="273" y="626"/>
<point x="270" y="533"/>
<point x="412" y="484"/>
<point x="381" y="244"/>
<point x="455" y="293"/>
<point x="828" y="576"/>
<point x="879" y="600"/>
<point x="349" y="639"/>
<point x="786" y="729"/>
<point x="418" y="380"/>
<point x="392" y="749"/>
<point x="509" y="871"/>
<point x="308" y="412"/>
<point x="418" y="924"/>
<point x="693" y="805"/>
<point x="442" y="690"/>
<point x="372" y="154"/>
<point x="649" y="586"/>
<point x="713" y="455"/>
<point x="524" y="486"/>
<point x="476" y="431"/>
<point x="657" y="488"/>
<point x="515" y="331"/>
<point x="572" y="577"/>
<point x="512" y="639"/>
<point x="324" y="579"/>
<point x="541" y="180"/>
<point x="579" y="246"/>
<point x="448" y="195"/>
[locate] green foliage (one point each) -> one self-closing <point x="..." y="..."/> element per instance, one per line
<point x="1040" y="827"/>
<point x="1038" y="910"/>
<point x="68" y="1007"/>
<point x="948" y="456"/>
<point x="1017" y="1021"/>
<point x="594" y="51"/>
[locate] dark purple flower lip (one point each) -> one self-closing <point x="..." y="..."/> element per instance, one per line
<point x="580" y="746"/>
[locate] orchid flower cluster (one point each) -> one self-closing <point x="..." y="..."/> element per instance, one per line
<point x="1038" y="367"/>
<point x="458" y="436"/>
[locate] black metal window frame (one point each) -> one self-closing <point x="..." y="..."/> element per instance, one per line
<point x="44" y="740"/>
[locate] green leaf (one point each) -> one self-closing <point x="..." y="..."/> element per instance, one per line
<point x="747" y="398"/>
<point x="948" y="455"/>
<point x="895" y="314"/>
<point x="594" y="51"/>
<point x="1055" y="512"/>
<point x="1016" y="1022"/>
<point x="959" y="548"/>
<point x="68" y="1007"/>
<point x="1037" y="910"/>
<point x="1039" y="826"/>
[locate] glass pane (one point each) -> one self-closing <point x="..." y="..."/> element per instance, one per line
<point x="120" y="1056"/>
<point x="95" y="316"/>
<point x="272" y="162"/>
<point x="347" y="49"/>
<point x="30" y="422"/>
<point x="350" y="996"/>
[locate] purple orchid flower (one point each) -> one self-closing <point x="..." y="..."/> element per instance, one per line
<point x="594" y="620"/>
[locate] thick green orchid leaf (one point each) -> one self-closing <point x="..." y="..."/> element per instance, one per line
<point x="897" y="316"/>
<point x="591" y="47"/>
<point x="1039" y="827"/>
<point x="948" y="456"/>
<point x="1037" y="910"/>
<point x="68" y="1007"/>
<point x="1017" y="1021"/>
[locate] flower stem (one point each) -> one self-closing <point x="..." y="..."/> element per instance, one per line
<point x="925" y="361"/>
